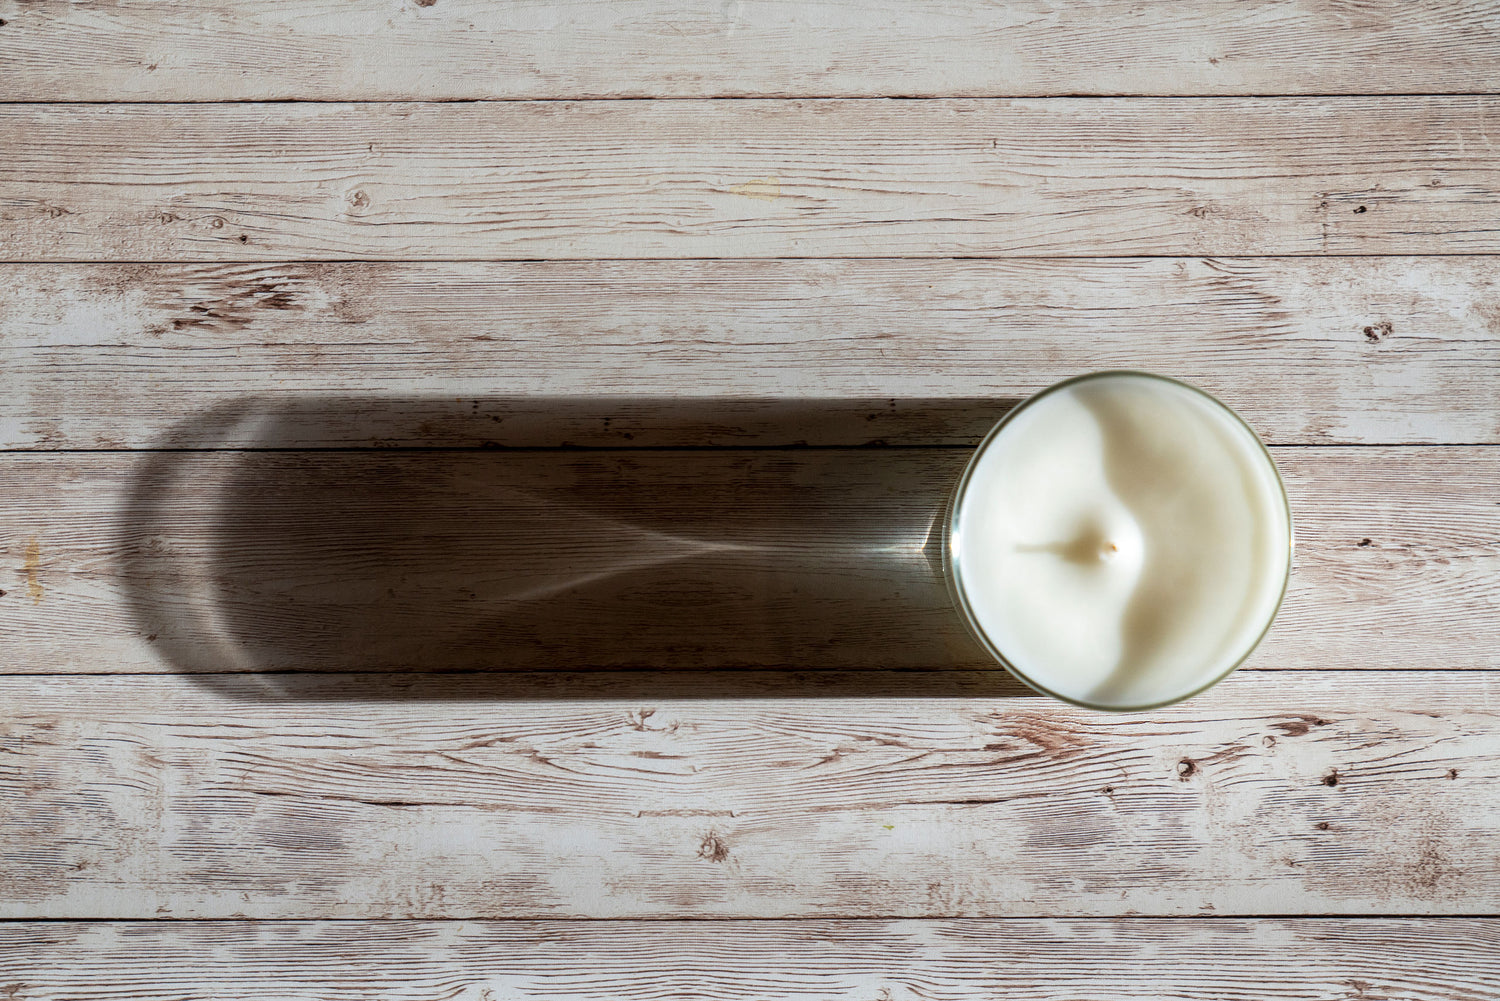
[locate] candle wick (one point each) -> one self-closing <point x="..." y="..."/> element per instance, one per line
<point x="1088" y="548"/>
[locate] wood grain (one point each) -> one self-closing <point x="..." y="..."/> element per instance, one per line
<point x="668" y="679"/>
<point x="1310" y="351"/>
<point x="679" y="179"/>
<point x="657" y="559"/>
<point x="555" y="796"/>
<point x="111" y="50"/>
<point x="1451" y="959"/>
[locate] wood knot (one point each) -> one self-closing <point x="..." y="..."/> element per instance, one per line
<point x="713" y="848"/>
<point x="1332" y="778"/>
<point x="637" y="719"/>
<point x="1322" y="825"/>
<point x="1360" y="210"/>
<point x="359" y="199"/>
<point x="1377" y="332"/>
<point x="1186" y="768"/>
<point x="1365" y="543"/>
<point x="1299" y="726"/>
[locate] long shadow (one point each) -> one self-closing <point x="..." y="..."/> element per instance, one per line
<point x="588" y="548"/>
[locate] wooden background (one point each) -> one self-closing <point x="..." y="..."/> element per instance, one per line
<point x="469" y="471"/>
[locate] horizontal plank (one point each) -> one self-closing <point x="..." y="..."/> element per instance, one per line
<point x="548" y="560"/>
<point x="304" y="797"/>
<point x="1310" y="351"/>
<point x="1454" y="959"/>
<point x="112" y="50"/>
<point x="678" y="179"/>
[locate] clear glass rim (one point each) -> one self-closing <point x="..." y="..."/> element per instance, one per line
<point x="953" y="566"/>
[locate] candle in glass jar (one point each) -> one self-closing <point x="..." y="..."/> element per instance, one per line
<point x="1120" y="541"/>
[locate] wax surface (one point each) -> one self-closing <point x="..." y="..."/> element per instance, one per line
<point x="1122" y="541"/>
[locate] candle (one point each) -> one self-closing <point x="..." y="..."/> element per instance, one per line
<point x="1120" y="541"/>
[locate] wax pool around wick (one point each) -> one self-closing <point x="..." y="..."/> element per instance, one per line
<point x="1121" y="541"/>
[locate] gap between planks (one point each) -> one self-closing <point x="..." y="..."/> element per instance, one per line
<point x="607" y="449"/>
<point x="354" y="101"/>
<point x="1476" y="918"/>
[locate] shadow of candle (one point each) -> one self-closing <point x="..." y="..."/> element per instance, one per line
<point x="536" y="556"/>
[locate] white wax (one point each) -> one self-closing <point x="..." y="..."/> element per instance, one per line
<point x="1122" y="541"/>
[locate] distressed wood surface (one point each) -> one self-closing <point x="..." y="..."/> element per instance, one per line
<point x="109" y="50"/>
<point x="802" y="559"/>
<point x="735" y="178"/>
<point x="468" y="671"/>
<point x="1453" y="959"/>
<point x="562" y="796"/>
<point x="1310" y="351"/>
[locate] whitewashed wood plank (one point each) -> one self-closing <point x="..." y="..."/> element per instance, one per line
<point x="1453" y="959"/>
<point x="308" y="797"/>
<point x="677" y="179"/>
<point x="112" y="50"/>
<point x="1310" y="351"/>
<point x="811" y="559"/>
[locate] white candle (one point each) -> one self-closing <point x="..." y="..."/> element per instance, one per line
<point x="1120" y="541"/>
